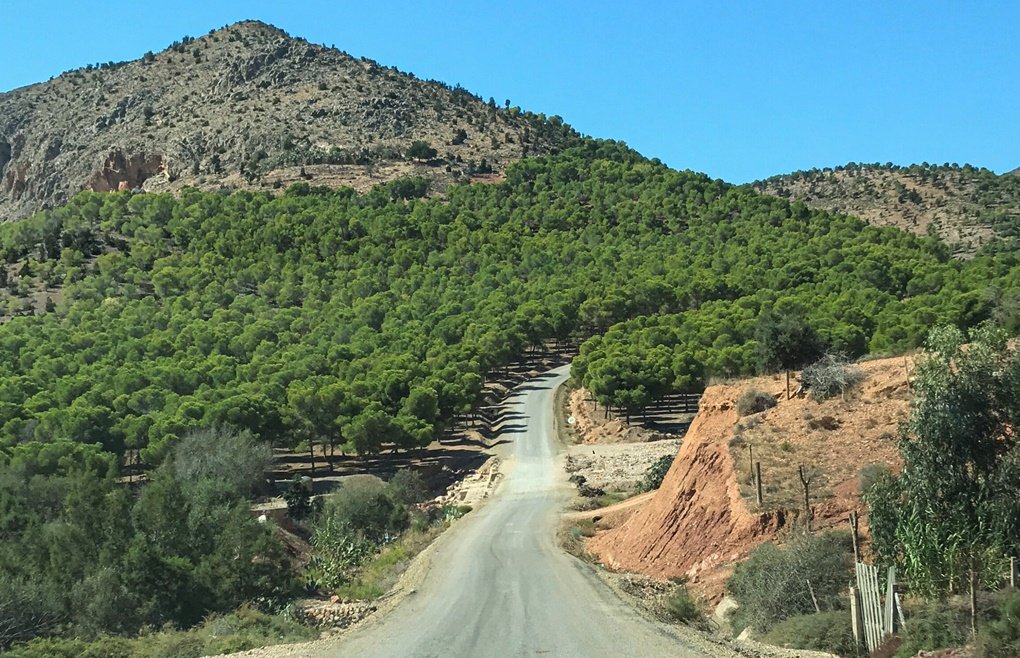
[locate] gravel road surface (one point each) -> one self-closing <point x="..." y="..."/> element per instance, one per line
<point x="500" y="585"/>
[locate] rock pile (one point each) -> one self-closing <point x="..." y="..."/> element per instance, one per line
<point x="337" y="613"/>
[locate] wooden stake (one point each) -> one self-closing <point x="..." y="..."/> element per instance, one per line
<point x="856" y="621"/>
<point x="899" y="610"/>
<point x="757" y="482"/>
<point x="890" y="593"/>
<point x="814" y="599"/>
<point x="855" y="537"/>
<point x="750" y="463"/>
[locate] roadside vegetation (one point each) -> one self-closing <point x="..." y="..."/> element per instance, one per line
<point x="367" y="533"/>
<point x="949" y="520"/>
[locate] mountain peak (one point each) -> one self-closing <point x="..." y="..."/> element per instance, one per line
<point x="249" y="107"/>
<point x="251" y="27"/>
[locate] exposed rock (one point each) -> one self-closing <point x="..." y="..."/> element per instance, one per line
<point x="120" y="172"/>
<point x="247" y="107"/>
<point x="965" y="206"/>
<point x="337" y="613"/>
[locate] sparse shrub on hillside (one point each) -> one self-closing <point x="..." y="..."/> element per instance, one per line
<point x="754" y="401"/>
<point x="655" y="473"/>
<point x="823" y="631"/>
<point x="869" y="475"/>
<point x="830" y="376"/>
<point x="681" y="607"/>
<point x="355" y="522"/>
<point x="824" y="423"/>
<point x="235" y="459"/>
<point x="420" y="150"/>
<point x="771" y="585"/>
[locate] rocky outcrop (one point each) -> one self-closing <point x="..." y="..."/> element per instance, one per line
<point x="247" y="107"/>
<point x="120" y="172"/>
<point x="696" y="521"/>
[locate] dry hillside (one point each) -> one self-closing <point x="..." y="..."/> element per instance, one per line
<point x="704" y="517"/>
<point x="965" y="206"/>
<point x="247" y="106"/>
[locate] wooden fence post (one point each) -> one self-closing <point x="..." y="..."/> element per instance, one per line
<point x="750" y="463"/>
<point x="856" y="621"/>
<point x="854" y="520"/>
<point x="890" y="593"/>
<point x="757" y="482"/>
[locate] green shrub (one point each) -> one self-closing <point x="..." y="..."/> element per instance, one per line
<point x="103" y="647"/>
<point x="25" y="612"/>
<point x="175" y="645"/>
<point x="367" y="508"/>
<point x="823" y="631"/>
<point x="754" y="401"/>
<point x="1001" y="638"/>
<point x="298" y="499"/>
<point x="235" y="459"/>
<point x="682" y="607"/>
<point x="869" y="475"/>
<point x="656" y="473"/>
<point x="339" y="551"/>
<point x="408" y="487"/>
<point x="771" y="585"/>
<point x="830" y="376"/>
<point x="934" y="625"/>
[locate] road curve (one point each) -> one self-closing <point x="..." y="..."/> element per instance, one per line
<point x="501" y="586"/>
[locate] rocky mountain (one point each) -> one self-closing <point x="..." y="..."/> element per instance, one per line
<point x="965" y="206"/>
<point x="247" y="106"/>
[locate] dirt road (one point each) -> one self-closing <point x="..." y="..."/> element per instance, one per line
<point x="500" y="586"/>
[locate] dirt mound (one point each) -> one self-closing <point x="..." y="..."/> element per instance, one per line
<point x="703" y="518"/>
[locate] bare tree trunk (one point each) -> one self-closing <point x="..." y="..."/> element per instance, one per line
<point x="973" y="596"/>
<point x="807" y="499"/>
<point x="787" y="384"/>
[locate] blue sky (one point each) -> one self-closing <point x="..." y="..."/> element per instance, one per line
<point x="738" y="90"/>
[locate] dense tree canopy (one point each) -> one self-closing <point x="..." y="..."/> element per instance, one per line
<point x="361" y="320"/>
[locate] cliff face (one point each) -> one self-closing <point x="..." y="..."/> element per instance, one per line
<point x="696" y="521"/>
<point x="704" y="516"/>
<point x="248" y="107"/>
